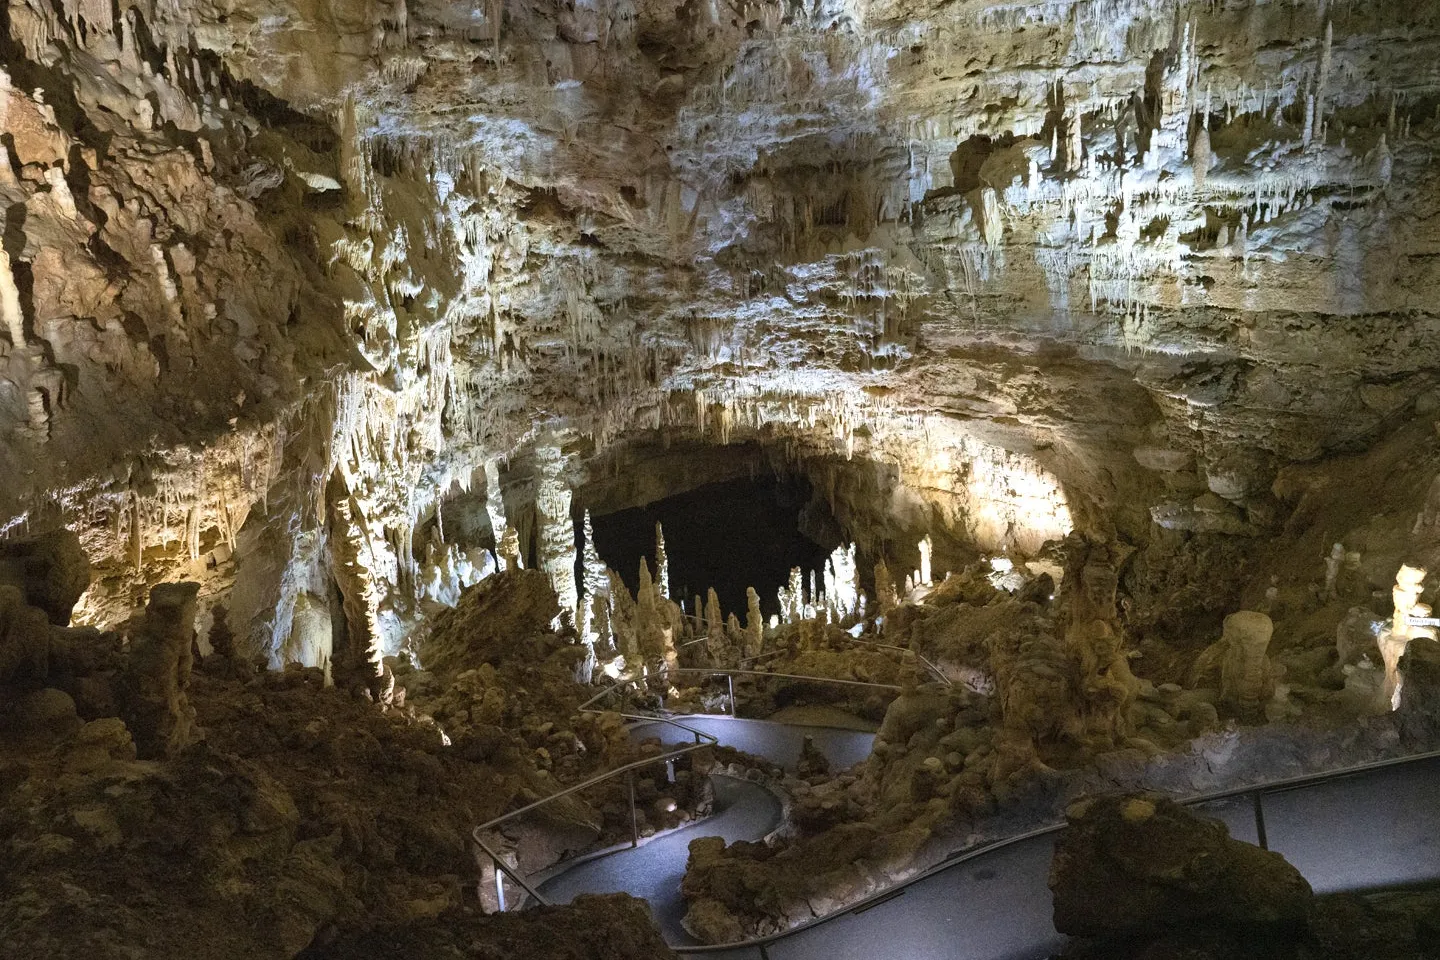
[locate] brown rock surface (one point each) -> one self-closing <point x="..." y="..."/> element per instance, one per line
<point x="493" y="619"/>
<point x="1134" y="864"/>
<point x="152" y="693"/>
<point x="51" y="572"/>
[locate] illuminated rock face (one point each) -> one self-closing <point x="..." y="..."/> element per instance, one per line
<point x="289" y="287"/>
<point x="1247" y="678"/>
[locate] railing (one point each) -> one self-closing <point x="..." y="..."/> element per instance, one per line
<point x="1254" y="793"/>
<point x="702" y="739"/>
<point x="502" y="869"/>
<point x="731" y="673"/>
<point x="939" y="675"/>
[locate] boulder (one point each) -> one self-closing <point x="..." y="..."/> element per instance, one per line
<point x="25" y="639"/>
<point x="47" y="713"/>
<point x="1136" y="864"/>
<point x="50" y="571"/>
<point x="492" y="618"/>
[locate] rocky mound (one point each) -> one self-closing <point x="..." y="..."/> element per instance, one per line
<point x="1135" y="863"/>
<point x="1139" y="876"/>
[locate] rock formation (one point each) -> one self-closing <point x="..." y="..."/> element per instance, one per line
<point x="1133" y="863"/>
<point x="347" y="316"/>
<point x="1247" y="677"/>
<point x="154" y="703"/>
<point x="1409" y="584"/>
<point x="50" y="571"/>
<point x="1136" y="875"/>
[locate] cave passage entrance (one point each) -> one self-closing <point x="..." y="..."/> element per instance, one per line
<point x="730" y="535"/>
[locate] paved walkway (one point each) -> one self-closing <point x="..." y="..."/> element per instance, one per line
<point x="1361" y="831"/>
<point x="743" y="811"/>
<point x="777" y="742"/>
<point x="1365" y="831"/>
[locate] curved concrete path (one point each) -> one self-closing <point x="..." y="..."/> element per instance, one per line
<point x="1365" y="830"/>
<point x="1361" y="830"/>
<point x="743" y="811"/>
<point x="777" y="742"/>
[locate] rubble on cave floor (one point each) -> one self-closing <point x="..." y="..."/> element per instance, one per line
<point x="263" y="813"/>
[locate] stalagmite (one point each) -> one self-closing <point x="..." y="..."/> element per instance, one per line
<point x="508" y="550"/>
<point x="622" y="621"/>
<point x="597" y="588"/>
<point x="1332" y="569"/>
<point x="10" y="312"/>
<point x="1409" y="584"/>
<point x="662" y="563"/>
<point x="716" y="645"/>
<point x="555" y="528"/>
<point x="754" y="623"/>
<point x="924" y="576"/>
<point x="494" y="499"/>
<point x="1247" y="678"/>
<point x="842" y="581"/>
<point x="792" y="597"/>
<point x="648" y="624"/>
<point x="885" y="598"/>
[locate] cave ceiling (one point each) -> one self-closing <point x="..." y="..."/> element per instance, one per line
<point x="280" y="276"/>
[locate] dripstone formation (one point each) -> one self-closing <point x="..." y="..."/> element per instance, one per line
<point x="1087" y="352"/>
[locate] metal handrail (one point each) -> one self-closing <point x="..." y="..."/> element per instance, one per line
<point x="701" y="739"/>
<point x="918" y="655"/>
<point x="729" y="671"/>
<point x="502" y="869"/>
<point x="1255" y="792"/>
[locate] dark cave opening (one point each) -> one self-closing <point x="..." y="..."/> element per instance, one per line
<point x="730" y="535"/>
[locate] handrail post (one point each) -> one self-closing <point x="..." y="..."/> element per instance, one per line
<point x="1260" y="838"/>
<point x="634" y="821"/>
<point x="730" y="682"/>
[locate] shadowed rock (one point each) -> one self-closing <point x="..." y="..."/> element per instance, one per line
<point x="1134" y="864"/>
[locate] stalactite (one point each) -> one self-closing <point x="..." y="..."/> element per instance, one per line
<point x="192" y="532"/>
<point x="1322" y="86"/>
<point x="137" y="534"/>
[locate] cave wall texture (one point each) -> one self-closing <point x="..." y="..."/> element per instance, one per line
<point x="310" y="301"/>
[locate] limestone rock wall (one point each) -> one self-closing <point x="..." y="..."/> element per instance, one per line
<point x="279" y="283"/>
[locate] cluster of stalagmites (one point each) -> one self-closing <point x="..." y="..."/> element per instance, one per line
<point x="496" y="668"/>
<point x="1040" y="703"/>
